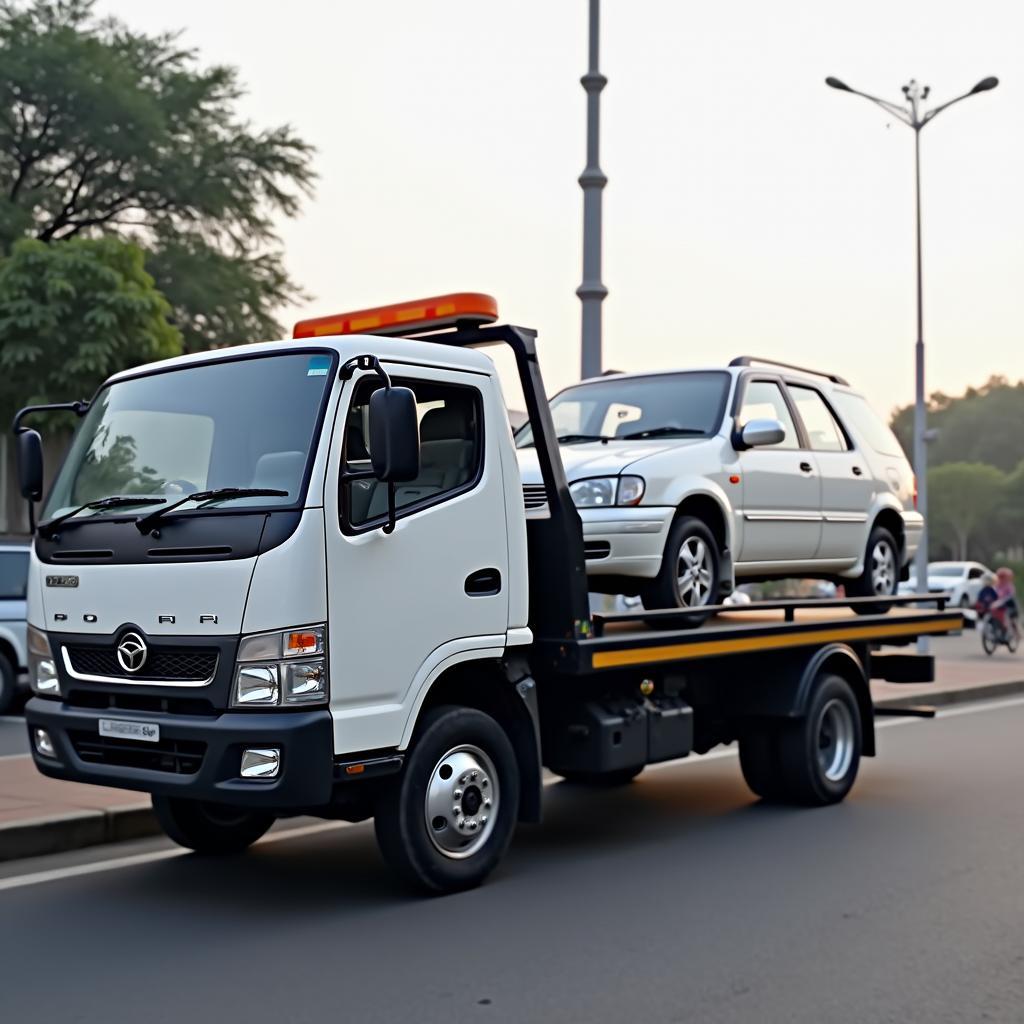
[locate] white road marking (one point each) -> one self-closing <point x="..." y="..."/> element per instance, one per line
<point x="96" y="867"/>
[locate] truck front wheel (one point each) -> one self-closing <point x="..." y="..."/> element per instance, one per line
<point x="210" y="827"/>
<point x="447" y="820"/>
<point x="812" y="760"/>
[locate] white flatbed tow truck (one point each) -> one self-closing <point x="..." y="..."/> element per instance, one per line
<point x="298" y="578"/>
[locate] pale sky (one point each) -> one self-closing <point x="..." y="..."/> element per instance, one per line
<point x="749" y="207"/>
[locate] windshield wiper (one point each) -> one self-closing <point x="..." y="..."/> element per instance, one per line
<point x="582" y="438"/>
<point x="51" y="526"/>
<point x="662" y="432"/>
<point x="147" y="522"/>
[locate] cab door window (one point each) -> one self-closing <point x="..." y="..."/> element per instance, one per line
<point x="451" y="450"/>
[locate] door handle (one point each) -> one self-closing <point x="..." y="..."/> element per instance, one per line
<point x="805" y="467"/>
<point x="857" y="471"/>
<point x="483" y="583"/>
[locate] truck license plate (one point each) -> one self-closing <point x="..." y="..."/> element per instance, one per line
<point x="146" y="731"/>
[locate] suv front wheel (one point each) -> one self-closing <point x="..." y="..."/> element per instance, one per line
<point x="690" y="573"/>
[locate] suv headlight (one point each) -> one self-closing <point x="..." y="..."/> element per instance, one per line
<point x="42" y="669"/>
<point x="606" y="491"/>
<point x="281" y="668"/>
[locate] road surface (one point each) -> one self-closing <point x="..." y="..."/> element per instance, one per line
<point x="679" y="898"/>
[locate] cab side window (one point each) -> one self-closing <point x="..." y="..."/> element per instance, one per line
<point x="451" y="451"/>
<point x="824" y="432"/>
<point x="763" y="400"/>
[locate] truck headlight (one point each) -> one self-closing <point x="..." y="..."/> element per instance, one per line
<point x="606" y="491"/>
<point x="275" y="669"/>
<point x="42" y="669"/>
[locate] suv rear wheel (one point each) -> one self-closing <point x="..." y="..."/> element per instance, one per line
<point x="881" y="574"/>
<point x="689" y="577"/>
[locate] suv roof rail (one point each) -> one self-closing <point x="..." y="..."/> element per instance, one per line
<point x="751" y="360"/>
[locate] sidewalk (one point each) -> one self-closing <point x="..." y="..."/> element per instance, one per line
<point x="40" y="815"/>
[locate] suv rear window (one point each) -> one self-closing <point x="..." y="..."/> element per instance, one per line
<point x="867" y="424"/>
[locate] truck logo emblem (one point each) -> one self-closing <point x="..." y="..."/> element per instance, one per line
<point x="132" y="652"/>
<point x="62" y="581"/>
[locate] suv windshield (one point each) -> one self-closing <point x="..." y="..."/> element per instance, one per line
<point x="663" y="405"/>
<point x="246" y="422"/>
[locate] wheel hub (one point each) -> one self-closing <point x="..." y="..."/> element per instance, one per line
<point x="883" y="568"/>
<point x="462" y="802"/>
<point x="694" y="573"/>
<point x="835" y="740"/>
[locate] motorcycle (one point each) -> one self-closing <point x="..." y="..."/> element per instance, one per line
<point x="994" y="634"/>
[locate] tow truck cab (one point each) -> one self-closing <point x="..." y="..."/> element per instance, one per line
<point x="324" y="600"/>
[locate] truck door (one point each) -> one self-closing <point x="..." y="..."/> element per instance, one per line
<point x="401" y="603"/>
<point x="781" y="486"/>
<point x="847" y="484"/>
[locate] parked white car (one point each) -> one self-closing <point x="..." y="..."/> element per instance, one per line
<point x="688" y="481"/>
<point x="963" y="581"/>
<point x="14" y="558"/>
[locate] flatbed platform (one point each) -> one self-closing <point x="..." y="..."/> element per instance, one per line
<point x="630" y="641"/>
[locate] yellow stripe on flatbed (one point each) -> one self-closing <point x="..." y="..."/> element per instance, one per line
<point x="682" y="652"/>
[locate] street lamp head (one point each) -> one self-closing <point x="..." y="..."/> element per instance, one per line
<point x="836" y="84"/>
<point x="984" y="85"/>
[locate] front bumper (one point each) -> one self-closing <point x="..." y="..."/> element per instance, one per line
<point x="913" y="529"/>
<point x="625" y="541"/>
<point x="197" y="757"/>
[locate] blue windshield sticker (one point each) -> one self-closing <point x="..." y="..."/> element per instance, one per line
<point x="318" y="366"/>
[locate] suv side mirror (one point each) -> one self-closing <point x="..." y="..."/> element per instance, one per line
<point x="29" y="454"/>
<point x="761" y="433"/>
<point x="394" y="435"/>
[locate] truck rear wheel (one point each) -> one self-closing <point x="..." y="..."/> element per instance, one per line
<point x="447" y="820"/>
<point x="210" y="828"/>
<point x="812" y="761"/>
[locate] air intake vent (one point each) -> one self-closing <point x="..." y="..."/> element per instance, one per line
<point x="595" y="549"/>
<point x="78" y="556"/>
<point x="534" y="496"/>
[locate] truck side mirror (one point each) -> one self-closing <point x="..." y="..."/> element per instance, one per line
<point x="394" y="435"/>
<point x="762" y="433"/>
<point x="29" y="454"/>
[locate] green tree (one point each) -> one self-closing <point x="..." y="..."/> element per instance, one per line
<point x="104" y="130"/>
<point x="964" y="504"/>
<point x="73" y="313"/>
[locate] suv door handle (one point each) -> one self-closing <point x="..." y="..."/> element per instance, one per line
<point x="857" y="471"/>
<point x="805" y="467"/>
<point x="483" y="583"/>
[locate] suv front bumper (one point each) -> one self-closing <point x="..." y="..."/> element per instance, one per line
<point x="196" y="757"/>
<point x="625" y="541"/>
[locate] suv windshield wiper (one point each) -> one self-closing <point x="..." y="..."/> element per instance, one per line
<point x="51" y="526"/>
<point x="581" y="438"/>
<point x="662" y="432"/>
<point x="147" y="522"/>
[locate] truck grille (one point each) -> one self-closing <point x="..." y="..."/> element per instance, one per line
<point x="187" y="664"/>
<point x="534" y="496"/>
<point x="179" y="757"/>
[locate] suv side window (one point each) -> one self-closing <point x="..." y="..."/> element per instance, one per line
<point x="763" y="399"/>
<point x="824" y="432"/>
<point x="451" y="450"/>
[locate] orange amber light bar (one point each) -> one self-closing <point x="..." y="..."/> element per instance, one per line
<point x="405" y="317"/>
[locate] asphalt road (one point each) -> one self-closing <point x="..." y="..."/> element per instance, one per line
<point x="13" y="735"/>
<point x="679" y="898"/>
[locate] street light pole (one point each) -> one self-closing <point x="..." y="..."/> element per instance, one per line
<point x="592" y="291"/>
<point x="914" y="96"/>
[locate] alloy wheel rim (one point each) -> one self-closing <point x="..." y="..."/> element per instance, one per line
<point x="883" y="568"/>
<point x="462" y="801"/>
<point x="835" y="740"/>
<point x="694" y="573"/>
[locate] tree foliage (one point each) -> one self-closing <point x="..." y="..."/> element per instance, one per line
<point x="104" y="130"/>
<point x="965" y="499"/>
<point x="985" y="424"/>
<point x="72" y="314"/>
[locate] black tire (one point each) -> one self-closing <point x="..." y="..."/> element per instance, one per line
<point x="964" y="601"/>
<point x="603" y="780"/>
<point x="989" y="641"/>
<point x="666" y="592"/>
<point x="881" y="574"/>
<point x="8" y="686"/>
<point x="430" y="856"/>
<point x="210" y="828"/>
<point x="804" y="776"/>
<point x="759" y="760"/>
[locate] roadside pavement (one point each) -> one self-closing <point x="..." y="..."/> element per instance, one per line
<point x="40" y="815"/>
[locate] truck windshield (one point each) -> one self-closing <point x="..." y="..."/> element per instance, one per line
<point x="663" y="405"/>
<point x="248" y="422"/>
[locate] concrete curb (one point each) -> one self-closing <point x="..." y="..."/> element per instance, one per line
<point x="74" y="830"/>
<point x="63" y="832"/>
<point x="967" y="695"/>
